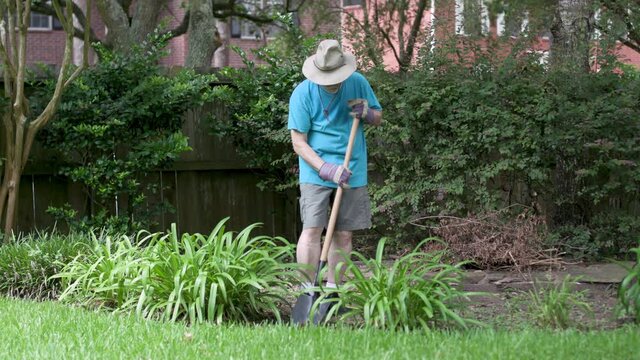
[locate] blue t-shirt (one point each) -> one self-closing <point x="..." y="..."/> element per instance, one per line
<point x="328" y="135"/>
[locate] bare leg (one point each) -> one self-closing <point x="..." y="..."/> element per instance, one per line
<point x="308" y="251"/>
<point x="340" y="246"/>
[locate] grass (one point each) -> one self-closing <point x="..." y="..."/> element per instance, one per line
<point x="50" y="330"/>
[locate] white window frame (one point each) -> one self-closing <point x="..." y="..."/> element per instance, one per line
<point x="252" y="31"/>
<point x="460" y="18"/>
<point x="500" y="21"/>
<point x="38" y="28"/>
<point x="49" y="18"/>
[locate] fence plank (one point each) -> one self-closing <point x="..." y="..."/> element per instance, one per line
<point x="205" y="185"/>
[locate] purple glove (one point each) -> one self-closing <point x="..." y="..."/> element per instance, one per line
<point x="359" y="109"/>
<point x="336" y="173"/>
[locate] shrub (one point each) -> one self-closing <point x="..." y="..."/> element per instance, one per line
<point x="418" y="291"/>
<point x="27" y="264"/>
<point x="629" y="290"/>
<point x="119" y="120"/>
<point x="467" y="138"/>
<point x="215" y="278"/>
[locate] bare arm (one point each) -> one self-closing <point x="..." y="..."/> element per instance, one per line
<point x="302" y="148"/>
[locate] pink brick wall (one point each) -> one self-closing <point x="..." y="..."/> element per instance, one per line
<point x="45" y="46"/>
<point x="389" y="59"/>
<point x="177" y="46"/>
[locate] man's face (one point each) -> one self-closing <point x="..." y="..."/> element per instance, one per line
<point x="332" y="88"/>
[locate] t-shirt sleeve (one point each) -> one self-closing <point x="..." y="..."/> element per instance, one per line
<point x="369" y="94"/>
<point x="299" y="118"/>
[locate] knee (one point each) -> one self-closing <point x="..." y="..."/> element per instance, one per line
<point x="343" y="238"/>
<point x="311" y="235"/>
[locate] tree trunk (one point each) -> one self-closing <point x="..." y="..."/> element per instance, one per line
<point x="572" y="29"/>
<point x="221" y="55"/>
<point x="20" y="130"/>
<point x="203" y="35"/>
<point x="12" y="200"/>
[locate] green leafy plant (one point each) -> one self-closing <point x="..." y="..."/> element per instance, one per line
<point x="553" y="306"/>
<point x="220" y="277"/>
<point x="417" y="291"/>
<point x="28" y="262"/>
<point x="629" y="290"/>
<point x="490" y="132"/>
<point x="119" y="121"/>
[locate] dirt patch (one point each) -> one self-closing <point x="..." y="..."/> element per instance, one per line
<point x="507" y="295"/>
<point x="504" y="297"/>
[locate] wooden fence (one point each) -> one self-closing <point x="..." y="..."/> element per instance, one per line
<point x="205" y="185"/>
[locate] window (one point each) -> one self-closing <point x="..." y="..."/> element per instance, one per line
<point x="351" y="2"/>
<point x="40" y="21"/>
<point x="246" y="29"/>
<point x="473" y="18"/>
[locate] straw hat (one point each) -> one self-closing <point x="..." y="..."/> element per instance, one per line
<point x="330" y="65"/>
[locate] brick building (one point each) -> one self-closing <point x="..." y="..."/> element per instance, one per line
<point x="46" y="38"/>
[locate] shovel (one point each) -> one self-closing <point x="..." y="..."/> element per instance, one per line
<point x="304" y="303"/>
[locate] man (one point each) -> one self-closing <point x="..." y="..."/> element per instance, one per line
<point x="320" y="123"/>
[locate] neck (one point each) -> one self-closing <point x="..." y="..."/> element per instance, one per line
<point x="332" y="88"/>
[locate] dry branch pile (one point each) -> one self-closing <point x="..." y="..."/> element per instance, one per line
<point x="494" y="241"/>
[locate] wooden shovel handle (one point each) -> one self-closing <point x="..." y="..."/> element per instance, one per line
<point x="336" y="202"/>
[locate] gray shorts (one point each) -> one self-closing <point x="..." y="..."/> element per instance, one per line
<point x="315" y="206"/>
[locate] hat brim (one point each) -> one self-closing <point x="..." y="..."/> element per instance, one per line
<point x="336" y="76"/>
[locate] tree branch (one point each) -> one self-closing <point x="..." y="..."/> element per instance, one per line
<point x="415" y="29"/>
<point x="223" y="10"/>
<point x="47" y="9"/>
<point x="621" y="12"/>
<point x="182" y="28"/>
<point x="632" y="45"/>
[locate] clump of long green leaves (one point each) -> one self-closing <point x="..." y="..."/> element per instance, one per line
<point x="629" y="290"/>
<point x="418" y="291"/>
<point x="28" y="262"/>
<point x="221" y="277"/>
<point x="553" y="306"/>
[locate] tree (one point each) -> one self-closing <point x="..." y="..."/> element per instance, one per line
<point x="572" y="29"/>
<point x="130" y="22"/>
<point x="396" y="26"/>
<point x="20" y="126"/>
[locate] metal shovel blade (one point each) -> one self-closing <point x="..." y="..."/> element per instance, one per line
<point x="302" y="308"/>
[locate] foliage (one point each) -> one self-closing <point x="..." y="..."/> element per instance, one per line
<point x="629" y="290"/>
<point x="552" y="307"/>
<point x="119" y="121"/>
<point x="471" y="136"/>
<point x="487" y="133"/>
<point x="27" y="263"/>
<point x="619" y="19"/>
<point x="257" y="98"/>
<point x="417" y="292"/>
<point x="215" y="278"/>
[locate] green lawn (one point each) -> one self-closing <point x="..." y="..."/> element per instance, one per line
<point x="54" y="331"/>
